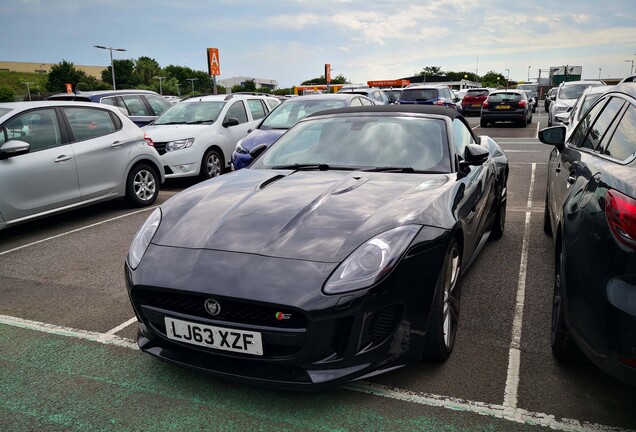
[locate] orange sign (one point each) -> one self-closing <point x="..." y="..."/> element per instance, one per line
<point x="214" y="66"/>
<point x="69" y="88"/>
<point x="387" y="83"/>
<point x="328" y="72"/>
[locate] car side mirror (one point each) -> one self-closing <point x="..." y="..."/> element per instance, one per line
<point x="553" y="97"/>
<point x="554" y="135"/>
<point x="474" y="154"/>
<point x="14" y="148"/>
<point x="258" y="150"/>
<point x="230" y="121"/>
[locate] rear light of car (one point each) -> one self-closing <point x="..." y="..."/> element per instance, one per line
<point x="485" y="104"/>
<point x="620" y="211"/>
<point x="522" y="103"/>
<point x="149" y="140"/>
<point x="628" y="361"/>
<point x="438" y="102"/>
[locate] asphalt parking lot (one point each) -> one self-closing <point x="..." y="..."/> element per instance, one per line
<point x="68" y="360"/>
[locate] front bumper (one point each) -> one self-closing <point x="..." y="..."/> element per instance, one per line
<point x="503" y="116"/>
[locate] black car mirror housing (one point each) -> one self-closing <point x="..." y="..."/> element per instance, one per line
<point x="230" y="121"/>
<point x="554" y="135"/>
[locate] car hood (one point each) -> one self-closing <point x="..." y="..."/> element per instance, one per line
<point x="260" y="136"/>
<point x="161" y="133"/>
<point x="565" y="102"/>
<point x="309" y="215"/>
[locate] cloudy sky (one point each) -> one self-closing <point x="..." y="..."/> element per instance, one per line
<point x="291" y="40"/>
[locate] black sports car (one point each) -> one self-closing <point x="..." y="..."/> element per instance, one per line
<point x="336" y="256"/>
<point x="590" y="210"/>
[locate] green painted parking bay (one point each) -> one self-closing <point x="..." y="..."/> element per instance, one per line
<point x="51" y="382"/>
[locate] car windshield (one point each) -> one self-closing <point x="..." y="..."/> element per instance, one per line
<point x="289" y="113"/>
<point x="418" y="94"/>
<point x="191" y="113"/>
<point x="573" y="91"/>
<point x="529" y="94"/>
<point x="381" y="143"/>
<point x="477" y="93"/>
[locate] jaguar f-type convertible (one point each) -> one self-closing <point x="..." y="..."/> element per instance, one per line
<point x="336" y="256"/>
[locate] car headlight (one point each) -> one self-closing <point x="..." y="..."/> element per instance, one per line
<point x="239" y="148"/>
<point x="560" y="108"/>
<point x="370" y="262"/>
<point x="143" y="238"/>
<point x="179" y="144"/>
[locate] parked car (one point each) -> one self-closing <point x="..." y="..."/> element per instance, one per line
<point x="338" y="255"/>
<point x="141" y="106"/>
<point x="433" y="94"/>
<point x="172" y="99"/>
<point x="281" y="119"/>
<point x="549" y="97"/>
<point x="393" y="94"/>
<point x="566" y="95"/>
<point x="376" y="94"/>
<point x="196" y="137"/>
<point x="590" y="95"/>
<point x="532" y="100"/>
<point x="508" y="106"/>
<point x="58" y="156"/>
<point x="472" y="100"/>
<point x="590" y="212"/>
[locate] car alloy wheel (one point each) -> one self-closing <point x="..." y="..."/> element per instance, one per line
<point x="442" y="326"/>
<point x="212" y="165"/>
<point x="142" y="186"/>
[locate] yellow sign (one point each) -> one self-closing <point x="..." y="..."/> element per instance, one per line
<point x="214" y="66"/>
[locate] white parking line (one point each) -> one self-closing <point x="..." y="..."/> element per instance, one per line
<point x="76" y="230"/>
<point x="516" y="415"/>
<point x="122" y="326"/>
<point x="514" y="354"/>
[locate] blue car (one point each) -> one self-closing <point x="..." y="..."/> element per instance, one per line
<point x="286" y="115"/>
<point x="141" y="106"/>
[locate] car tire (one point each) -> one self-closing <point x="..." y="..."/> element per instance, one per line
<point x="444" y="314"/>
<point x="547" y="227"/>
<point x="523" y="123"/>
<point x="563" y="346"/>
<point x="483" y="123"/>
<point x="499" y="222"/>
<point x="211" y="165"/>
<point x="142" y="186"/>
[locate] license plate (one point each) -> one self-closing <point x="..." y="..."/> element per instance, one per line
<point x="503" y="106"/>
<point x="247" y="342"/>
<point x="476" y="105"/>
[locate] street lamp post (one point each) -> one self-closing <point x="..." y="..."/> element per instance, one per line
<point x="631" y="70"/>
<point x="192" y="80"/>
<point x="27" y="83"/>
<point x="179" y="89"/>
<point x="529" y="73"/>
<point x="507" y="78"/>
<point x="599" y="73"/>
<point x="160" y="88"/>
<point x="112" y="65"/>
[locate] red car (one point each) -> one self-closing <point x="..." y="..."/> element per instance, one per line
<point x="473" y="100"/>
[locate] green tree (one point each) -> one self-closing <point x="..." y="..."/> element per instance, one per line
<point x="61" y="74"/>
<point x="493" y="79"/>
<point x="340" y="79"/>
<point x="431" y="71"/>
<point x="7" y="94"/>
<point x="124" y="74"/>
<point x="146" y="69"/>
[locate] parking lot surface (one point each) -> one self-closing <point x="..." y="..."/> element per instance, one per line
<point x="68" y="358"/>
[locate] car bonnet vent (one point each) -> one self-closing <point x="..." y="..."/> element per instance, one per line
<point x="270" y="181"/>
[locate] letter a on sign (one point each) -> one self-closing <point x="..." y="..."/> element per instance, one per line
<point x="214" y="67"/>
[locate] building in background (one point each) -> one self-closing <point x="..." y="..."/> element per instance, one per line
<point x="95" y="71"/>
<point x="241" y="80"/>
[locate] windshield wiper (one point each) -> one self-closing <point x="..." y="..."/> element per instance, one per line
<point x="201" y="122"/>
<point x="296" y="166"/>
<point x="390" y="169"/>
<point x="169" y="123"/>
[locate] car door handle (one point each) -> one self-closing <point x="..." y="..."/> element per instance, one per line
<point x="62" y="158"/>
<point x="117" y="144"/>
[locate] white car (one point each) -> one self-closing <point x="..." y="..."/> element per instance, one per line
<point x="566" y="96"/>
<point x="57" y="156"/>
<point x="572" y="117"/>
<point x="196" y="137"/>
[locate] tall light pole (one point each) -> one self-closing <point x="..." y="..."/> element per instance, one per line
<point x="631" y="70"/>
<point x="179" y="89"/>
<point x="27" y="83"/>
<point x="112" y="65"/>
<point x="507" y="78"/>
<point x="160" y="88"/>
<point x="599" y="73"/>
<point x="192" y="80"/>
<point x="529" y="73"/>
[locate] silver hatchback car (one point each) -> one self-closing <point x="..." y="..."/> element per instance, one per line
<point x="57" y="156"/>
